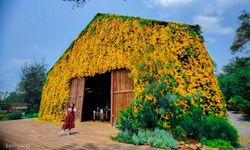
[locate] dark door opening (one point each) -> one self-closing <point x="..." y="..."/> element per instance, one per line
<point x="96" y="94"/>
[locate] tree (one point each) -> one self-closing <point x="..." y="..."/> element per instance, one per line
<point x="235" y="84"/>
<point x="77" y="3"/>
<point x="14" y="97"/>
<point x="2" y="96"/>
<point x="31" y="84"/>
<point x="242" y="37"/>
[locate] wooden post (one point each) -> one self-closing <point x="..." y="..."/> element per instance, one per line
<point x="112" y="99"/>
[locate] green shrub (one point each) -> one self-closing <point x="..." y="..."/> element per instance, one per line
<point x="190" y="121"/>
<point x="123" y="136"/>
<point x="146" y="115"/>
<point x="217" y="143"/>
<point x="161" y="138"/>
<point x="242" y="104"/>
<point x="29" y="116"/>
<point x="15" y="115"/>
<point x="237" y="103"/>
<point x="156" y="138"/>
<point x="2" y="116"/>
<point x="141" y="137"/>
<point x="198" y="126"/>
<point x="180" y="133"/>
<point x="127" y="122"/>
<point x="35" y="115"/>
<point x="219" y="128"/>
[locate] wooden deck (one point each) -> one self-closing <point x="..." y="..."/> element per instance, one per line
<point x="34" y="135"/>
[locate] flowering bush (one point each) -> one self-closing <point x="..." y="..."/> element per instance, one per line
<point x="149" y="49"/>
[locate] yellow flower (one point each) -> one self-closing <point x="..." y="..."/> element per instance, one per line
<point x="111" y="43"/>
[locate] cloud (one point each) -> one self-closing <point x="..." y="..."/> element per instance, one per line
<point x="166" y="3"/>
<point x="19" y="62"/>
<point x="219" y="7"/>
<point x="212" y="25"/>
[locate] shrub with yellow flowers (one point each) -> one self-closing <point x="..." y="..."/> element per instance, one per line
<point x="148" y="48"/>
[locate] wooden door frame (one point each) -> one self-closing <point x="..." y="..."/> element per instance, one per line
<point x="81" y="99"/>
<point x="112" y="99"/>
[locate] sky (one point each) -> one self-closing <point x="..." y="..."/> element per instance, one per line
<point x="41" y="30"/>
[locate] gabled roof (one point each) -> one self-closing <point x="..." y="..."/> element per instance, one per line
<point x="150" y="49"/>
<point x="143" y="22"/>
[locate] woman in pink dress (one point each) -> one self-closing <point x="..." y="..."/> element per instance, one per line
<point x="69" y="122"/>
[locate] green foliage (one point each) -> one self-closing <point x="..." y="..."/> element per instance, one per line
<point x="15" y="115"/>
<point x="123" y="136"/>
<point x="190" y="122"/>
<point x="198" y="126"/>
<point x="28" y="116"/>
<point x="217" y="143"/>
<point x="146" y="115"/>
<point x="237" y="103"/>
<point x="128" y="121"/>
<point x="242" y="37"/>
<point x="34" y="115"/>
<point x="235" y="84"/>
<point x="2" y="116"/>
<point x="31" y="84"/>
<point x="5" y="107"/>
<point x="137" y="125"/>
<point x="161" y="138"/>
<point x="77" y="3"/>
<point x="141" y="137"/>
<point x="144" y="22"/>
<point x="180" y="133"/>
<point x="132" y="124"/>
<point x="156" y="138"/>
<point x="196" y="30"/>
<point x="219" y="128"/>
<point x="14" y="97"/>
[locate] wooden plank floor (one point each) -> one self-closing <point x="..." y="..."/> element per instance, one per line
<point x="34" y="135"/>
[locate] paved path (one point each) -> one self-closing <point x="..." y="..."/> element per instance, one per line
<point x="34" y="135"/>
<point x="243" y="128"/>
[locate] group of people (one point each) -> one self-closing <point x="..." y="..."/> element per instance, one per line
<point x="101" y="114"/>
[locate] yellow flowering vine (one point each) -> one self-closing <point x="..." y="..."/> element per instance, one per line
<point x="112" y="42"/>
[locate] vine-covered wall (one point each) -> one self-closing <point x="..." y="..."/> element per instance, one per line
<point x="112" y="42"/>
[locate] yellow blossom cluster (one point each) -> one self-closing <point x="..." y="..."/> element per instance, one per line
<point x="112" y="42"/>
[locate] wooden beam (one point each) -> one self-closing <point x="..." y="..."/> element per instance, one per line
<point x="124" y="91"/>
<point x="112" y="99"/>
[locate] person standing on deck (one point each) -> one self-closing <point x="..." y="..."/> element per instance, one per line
<point x="69" y="122"/>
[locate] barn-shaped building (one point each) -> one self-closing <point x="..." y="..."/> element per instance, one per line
<point x="103" y="66"/>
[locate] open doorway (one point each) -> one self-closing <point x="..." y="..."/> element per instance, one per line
<point x="97" y="97"/>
